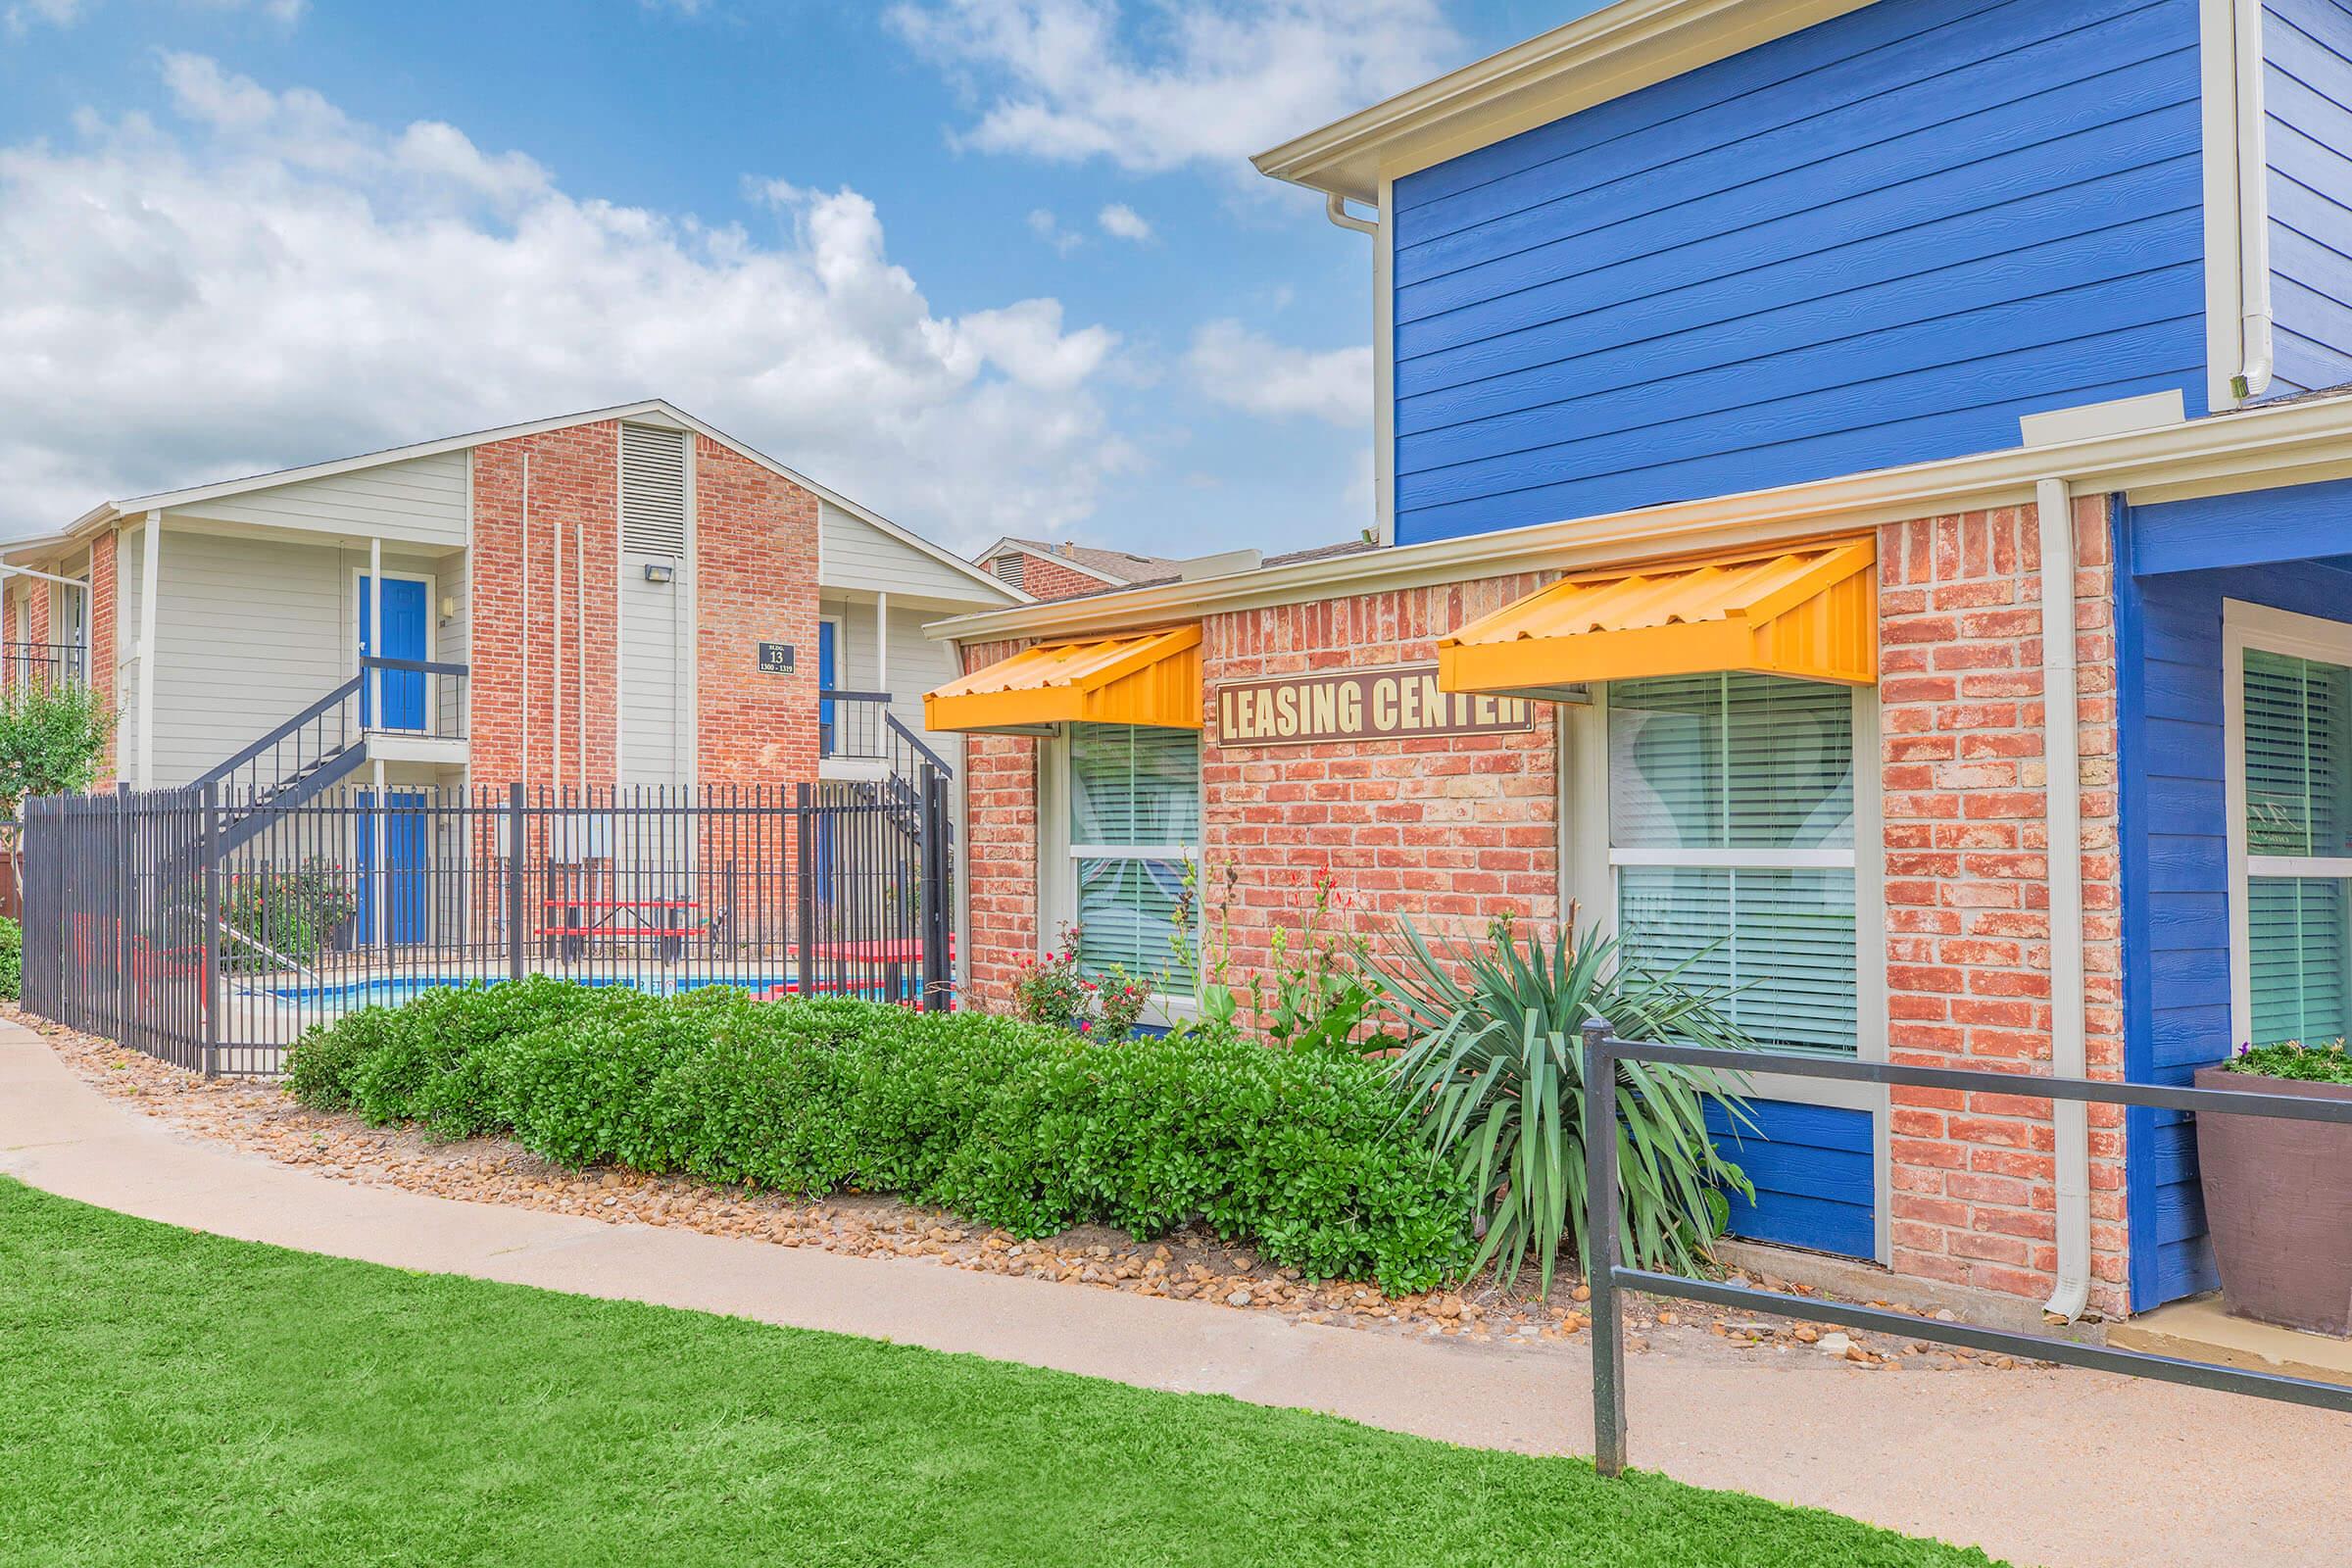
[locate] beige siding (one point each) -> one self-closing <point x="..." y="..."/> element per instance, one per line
<point x="421" y="501"/>
<point x="657" y="740"/>
<point x="917" y="664"/>
<point x="858" y="554"/>
<point x="248" y="634"/>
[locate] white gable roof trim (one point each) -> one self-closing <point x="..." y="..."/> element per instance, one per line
<point x="1616" y="50"/>
<point x="649" y="411"/>
<point x="1010" y="545"/>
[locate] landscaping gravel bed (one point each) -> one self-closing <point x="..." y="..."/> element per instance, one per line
<point x="256" y="1117"/>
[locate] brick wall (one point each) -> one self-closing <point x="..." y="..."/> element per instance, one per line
<point x="1000" y="851"/>
<point x="1044" y="578"/>
<point x="1451" y="831"/>
<point x="755" y="562"/>
<point x="104" y="600"/>
<point x="574" y="478"/>
<point x="1968" y="960"/>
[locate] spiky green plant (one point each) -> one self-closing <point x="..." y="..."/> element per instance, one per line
<point x="1494" y="1070"/>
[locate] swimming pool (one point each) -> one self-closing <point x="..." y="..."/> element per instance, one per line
<point x="391" y="990"/>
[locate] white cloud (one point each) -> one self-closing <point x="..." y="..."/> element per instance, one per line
<point x="1246" y="370"/>
<point x="1122" y="221"/>
<point x="265" y="281"/>
<point x="21" y="16"/>
<point x="1048" y="227"/>
<point x="1066" y="79"/>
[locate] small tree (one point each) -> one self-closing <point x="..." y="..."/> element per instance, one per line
<point x="52" y="736"/>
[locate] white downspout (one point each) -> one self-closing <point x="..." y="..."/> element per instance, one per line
<point x="2063" y="756"/>
<point x="151" y="557"/>
<point x="2253" y="205"/>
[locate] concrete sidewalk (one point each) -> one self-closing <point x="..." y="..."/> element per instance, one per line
<point x="2071" y="1469"/>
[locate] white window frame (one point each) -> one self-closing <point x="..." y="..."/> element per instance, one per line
<point x="1057" y="857"/>
<point x="1588" y="868"/>
<point x="2247" y="626"/>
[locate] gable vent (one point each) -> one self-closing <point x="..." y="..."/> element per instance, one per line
<point x="653" y="491"/>
<point x="1007" y="566"/>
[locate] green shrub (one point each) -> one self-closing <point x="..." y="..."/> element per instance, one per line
<point x="2325" y="1065"/>
<point x="12" y="958"/>
<point x="1495" y="1069"/>
<point x="271" y="915"/>
<point x="1030" y="1128"/>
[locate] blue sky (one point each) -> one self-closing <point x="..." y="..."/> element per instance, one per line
<point x="987" y="266"/>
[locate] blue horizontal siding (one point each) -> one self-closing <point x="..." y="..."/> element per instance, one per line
<point x="2189" y="557"/>
<point x="1812" y="1170"/>
<point x="2307" y="104"/>
<point x="1878" y="240"/>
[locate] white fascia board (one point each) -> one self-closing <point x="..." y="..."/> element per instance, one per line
<point x="1619" y="49"/>
<point x="2256" y="449"/>
<point x="654" y="411"/>
<point x="1016" y="547"/>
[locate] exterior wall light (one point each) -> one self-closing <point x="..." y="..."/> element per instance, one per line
<point x="659" y="571"/>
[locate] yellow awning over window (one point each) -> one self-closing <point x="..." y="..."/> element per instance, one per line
<point x="1149" y="679"/>
<point x="1810" y="612"/>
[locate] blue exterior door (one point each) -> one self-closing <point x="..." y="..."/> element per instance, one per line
<point x="826" y="652"/>
<point x="404" y="835"/>
<point x="405" y="608"/>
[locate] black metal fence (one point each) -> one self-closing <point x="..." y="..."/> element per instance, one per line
<point x="213" y="928"/>
<point x="42" y="664"/>
<point x="1607" y="1276"/>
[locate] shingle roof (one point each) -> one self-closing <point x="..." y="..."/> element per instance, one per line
<point x="1127" y="568"/>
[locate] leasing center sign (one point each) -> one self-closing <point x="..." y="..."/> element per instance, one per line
<point x="1396" y="704"/>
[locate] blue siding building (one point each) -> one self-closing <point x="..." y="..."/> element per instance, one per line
<point x="1791" y="268"/>
<point x="1877" y="241"/>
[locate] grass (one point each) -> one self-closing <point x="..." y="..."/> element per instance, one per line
<point x="172" y="1397"/>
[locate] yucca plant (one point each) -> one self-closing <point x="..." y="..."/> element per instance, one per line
<point x="1495" y="1071"/>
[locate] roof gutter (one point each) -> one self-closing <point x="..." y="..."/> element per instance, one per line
<point x="2273" y="444"/>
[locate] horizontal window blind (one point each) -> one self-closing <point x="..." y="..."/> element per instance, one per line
<point x="1712" y="780"/>
<point x="2299" y="948"/>
<point x="1135" y="822"/>
<point x="1731" y="760"/>
<point x="2297" y="726"/>
<point x="2295" y="718"/>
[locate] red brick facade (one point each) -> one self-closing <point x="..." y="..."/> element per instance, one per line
<point x="756" y="548"/>
<point x="1458" y="830"/>
<point x="755" y="565"/>
<point x="1453" y="831"/>
<point x="517" y="733"/>
<point x="105" y="562"/>
<point x="1967" y="960"/>
<point x="1043" y="577"/>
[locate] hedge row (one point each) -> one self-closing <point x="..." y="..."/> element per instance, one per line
<point x="1033" y="1130"/>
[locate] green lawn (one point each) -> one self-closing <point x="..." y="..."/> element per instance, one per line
<point x="172" y="1397"/>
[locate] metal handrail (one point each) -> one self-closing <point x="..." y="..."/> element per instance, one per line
<point x="916" y="743"/>
<point x="1606" y="1276"/>
<point x="43" y="662"/>
<point x="331" y="704"/>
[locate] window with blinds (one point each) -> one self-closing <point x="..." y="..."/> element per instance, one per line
<point x="653" y="491"/>
<point x="2297" y="727"/>
<point x="1135" y="825"/>
<point x="1731" y="841"/>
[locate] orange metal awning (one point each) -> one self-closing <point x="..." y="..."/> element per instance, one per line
<point x="1149" y="679"/>
<point x="1810" y="612"/>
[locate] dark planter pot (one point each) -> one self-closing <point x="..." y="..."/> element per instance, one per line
<point x="2279" y="1203"/>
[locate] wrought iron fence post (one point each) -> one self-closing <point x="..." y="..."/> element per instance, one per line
<point x="804" y="821"/>
<point x="212" y="928"/>
<point x="126" y="885"/>
<point x="934" y="909"/>
<point x="517" y="886"/>
<point x="1601" y="1249"/>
